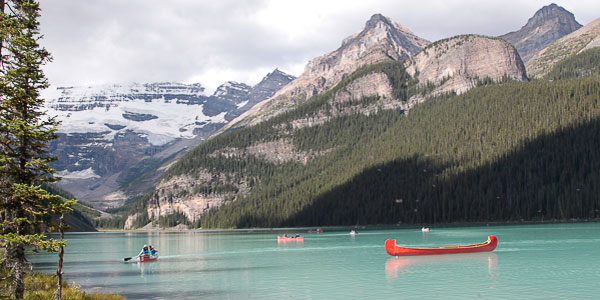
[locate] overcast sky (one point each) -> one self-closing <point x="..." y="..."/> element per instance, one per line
<point x="212" y="41"/>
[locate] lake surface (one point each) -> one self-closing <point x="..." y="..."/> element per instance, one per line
<point x="558" y="261"/>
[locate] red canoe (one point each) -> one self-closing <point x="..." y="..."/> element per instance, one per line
<point x="290" y="238"/>
<point x="315" y="231"/>
<point x="142" y="258"/>
<point x="393" y="250"/>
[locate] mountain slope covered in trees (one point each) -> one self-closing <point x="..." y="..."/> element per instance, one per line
<point x="501" y="151"/>
<point x="505" y="152"/>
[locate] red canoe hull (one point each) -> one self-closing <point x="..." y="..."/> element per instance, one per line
<point x="147" y="258"/>
<point x="393" y="250"/>
<point x="281" y="238"/>
<point x="315" y="231"/>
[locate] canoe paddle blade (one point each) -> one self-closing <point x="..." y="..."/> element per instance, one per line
<point x="127" y="258"/>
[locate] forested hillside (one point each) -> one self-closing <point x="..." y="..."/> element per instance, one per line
<point x="503" y="151"/>
<point x="584" y="64"/>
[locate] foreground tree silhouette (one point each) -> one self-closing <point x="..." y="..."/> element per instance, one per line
<point x="25" y="130"/>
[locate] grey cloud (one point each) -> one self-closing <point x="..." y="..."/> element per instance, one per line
<point x="149" y="40"/>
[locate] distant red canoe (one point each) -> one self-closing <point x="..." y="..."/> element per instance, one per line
<point x="393" y="250"/>
<point x="290" y="238"/>
<point x="315" y="231"/>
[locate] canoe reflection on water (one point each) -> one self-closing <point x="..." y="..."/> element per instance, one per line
<point x="400" y="264"/>
<point x="147" y="268"/>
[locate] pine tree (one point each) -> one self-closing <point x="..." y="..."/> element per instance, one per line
<point x="25" y="130"/>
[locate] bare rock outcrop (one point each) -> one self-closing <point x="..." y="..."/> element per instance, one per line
<point x="194" y="195"/>
<point x="459" y="63"/>
<point x="584" y="38"/>
<point x="381" y="39"/>
<point x="547" y="25"/>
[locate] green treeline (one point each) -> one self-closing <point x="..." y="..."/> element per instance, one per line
<point x="172" y="220"/>
<point x="584" y="64"/>
<point x="503" y="151"/>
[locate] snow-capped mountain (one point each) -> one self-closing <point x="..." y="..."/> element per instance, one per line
<point x="106" y="131"/>
<point x="161" y="112"/>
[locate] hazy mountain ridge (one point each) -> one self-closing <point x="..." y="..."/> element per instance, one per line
<point x="547" y="25"/>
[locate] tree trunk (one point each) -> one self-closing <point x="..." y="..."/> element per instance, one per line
<point x="16" y="257"/>
<point x="61" y="252"/>
<point x="2" y="3"/>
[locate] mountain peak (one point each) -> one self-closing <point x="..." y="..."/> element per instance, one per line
<point x="278" y="76"/>
<point x="278" y="72"/>
<point x="381" y="39"/>
<point x="550" y="12"/>
<point x="547" y="25"/>
<point x="376" y="18"/>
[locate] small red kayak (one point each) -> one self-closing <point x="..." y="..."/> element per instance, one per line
<point x="142" y="258"/>
<point x="315" y="231"/>
<point x="393" y="250"/>
<point x="290" y="238"/>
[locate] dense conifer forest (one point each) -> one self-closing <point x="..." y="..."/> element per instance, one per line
<point x="504" y="151"/>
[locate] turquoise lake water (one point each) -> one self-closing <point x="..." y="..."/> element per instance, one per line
<point x="558" y="261"/>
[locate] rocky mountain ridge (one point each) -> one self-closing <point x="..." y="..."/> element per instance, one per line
<point x="457" y="64"/>
<point x="381" y="39"/>
<point x="108" y="131"/>
<point x="547" y="25"/>
<point x="584" y="38"/>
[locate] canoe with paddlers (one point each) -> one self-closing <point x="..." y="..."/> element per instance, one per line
<point x="289" y="238"/>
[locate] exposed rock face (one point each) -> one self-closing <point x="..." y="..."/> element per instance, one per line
<point x="453" y="65"/>
<point x="348" y="101"/>
<point x="584" y="38"/>
<point x="266" y="88"/>
<point x="192" y="195"/>
<point x="546" y="26"/>
<point x="226" y="98"/>
<point x="111" y="134"/>
<point x="381" y="39"/>
<point x="457" y="64"/>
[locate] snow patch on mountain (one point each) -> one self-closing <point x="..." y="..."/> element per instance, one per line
<point x="82" y="174"/>
<point x="175" y="110"/>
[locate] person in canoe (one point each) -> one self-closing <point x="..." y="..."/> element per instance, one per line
<point x="297" y="235"/>
<point x="152" y="250"/>
<point x="145" y="251"/>
<point x="285" y="235"/>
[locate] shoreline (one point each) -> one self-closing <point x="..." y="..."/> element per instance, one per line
<point x="341" y="228"/>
